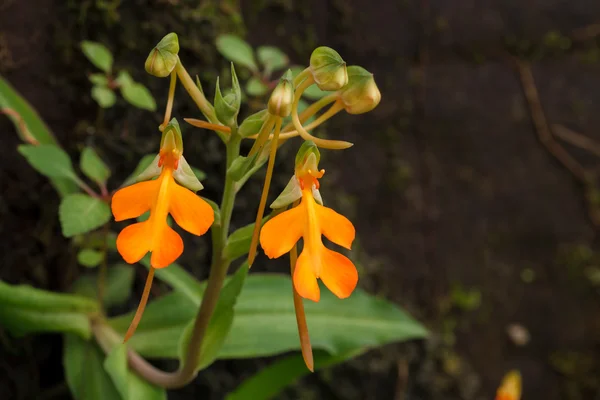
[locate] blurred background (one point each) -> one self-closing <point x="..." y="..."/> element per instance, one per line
<point x="473" y="185"/>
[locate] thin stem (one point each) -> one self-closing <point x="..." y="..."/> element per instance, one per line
<point x="327" y="144"/>
<point x="170" y="99"/>
<point x="265" y="193"/>
<point x="84" y="186"/>
<point x="198" y="123"/>
<point x="312" y="110"/>
<point x="263" y="135"/>
<point x="195" y="93"/>
<point x="141" y="307"/>
<point x="305" y="345"/>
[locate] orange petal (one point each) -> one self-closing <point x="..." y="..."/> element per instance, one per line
<point x="280" y="233"/>
<point x="335" y="226"/>
<point x="305" y="281"/>
<point x="189" y="211"/>
<point x="168" y="247"/>
<point x="134" y="242"/>
<point x="338" y="273"/>
<point x="132" y="201"/>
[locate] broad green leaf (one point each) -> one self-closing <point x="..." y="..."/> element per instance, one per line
<point x="220" y="323"/>
<point x="238" y="243"/>
<point x="98" y="55"/>
<point x="180" y="280"/>
<point x="237" y="50"/>
<point x="98" y="79"/>
<point x="337" y="326"/>
<point x="104" y="96"/>
<point x="118" y="285"/>
<point x="139" y="96"/>
<point x="25" y="296"/>
<point x="254" y="87"/>
<point x="84" y="372"/>
<point x="21" y="321"/>
<point x="271" y="380"/>
<point x="80" y="213"/>
<point x="24" y="113"/>
<point x="31" y="128"/>
<point x="49" y="160"/>
<point x="159" y="333"/>
<point x="129" y="385"/>
<point x="314" y="93"/>
<point x="271" y="58"/>
<point x="142" y="165"/>
<point x="265" y="322"/>
<point x="89" y="257"/>
<point x="93" y="167"/>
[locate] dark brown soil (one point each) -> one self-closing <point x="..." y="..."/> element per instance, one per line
<point x="448" y="183"/>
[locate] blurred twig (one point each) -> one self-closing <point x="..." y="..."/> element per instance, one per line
<point x="586" y="33"/>
<point x="576" y="139"/>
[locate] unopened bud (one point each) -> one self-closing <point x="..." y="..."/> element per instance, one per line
<point x="163" y="57"/>
<point x="328" y="68"/>
<point x="227" y="106"/>
<point x="361" y="94"/>
<point x="252" y="124"/>
<point x="282" y="98"/>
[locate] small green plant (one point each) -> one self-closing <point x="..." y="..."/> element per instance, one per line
<point x="105" y="83"/>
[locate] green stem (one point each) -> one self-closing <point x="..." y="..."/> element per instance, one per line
<point x="195" y="93"/>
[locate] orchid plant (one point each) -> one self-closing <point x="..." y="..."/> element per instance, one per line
<point x="228" y="316"/>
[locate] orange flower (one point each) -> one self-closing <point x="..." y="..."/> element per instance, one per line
<point x="510" y="389"/>
<point x="161" y="196"/>
<point x="310" y="220"/>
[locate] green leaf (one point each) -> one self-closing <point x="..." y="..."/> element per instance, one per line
<point x="139" y="96"/>
<point x="93" y="167"/>
<point x="80" y="213"/>
<point x="238" y="243"/>
<point x="98" y="79"/>
<point x="314" y="93"/>
<point x="49" y="160"/>
<point x="23" y="112"/>
<point x="129" y="385"/>
<point x="31" y="128"/>
<point x="337" y="326"/>
<point x="237" y="50"/>
<point x="124" y="79"/>
<point x="254" y="87"/>
<point x="272" y="58"/>
<point x="271" y="380"/>
<point x="201" y="175"/>
<point x="84" y="372"/>
<point x="241" y="165"/>
<point x="89" y="257"/>
<point x="98" y="55"/>
<point x="220" y="323"/>
<point x="180" y="280"/>
<point x="159" y="333"/>
<point x="340" y="327"/>
<point x="25" y="296"/>
<point x="118" y="285"/>
<point x="104" y="96"/>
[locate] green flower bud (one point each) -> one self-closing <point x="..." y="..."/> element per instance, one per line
<point x="328" y="68"/>
<point x="171" y="138"/>
<point x="252" y="124"/>
<point x="308" y="147"/>
<point x="227" y="106"/>
<point x="361" y="94"/>
<point x="163" y="57"/>
<point x="282" y="98"/>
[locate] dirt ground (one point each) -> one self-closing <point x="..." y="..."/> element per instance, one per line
<point x="464" y="216"/>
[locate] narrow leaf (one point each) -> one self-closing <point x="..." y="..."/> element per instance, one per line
<point x="25" y="296"/>
<point x="139" y="96"/>
<point x="129" y="385"/>
<point x="80" y="213"/>
<point x="21" y="321"/>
